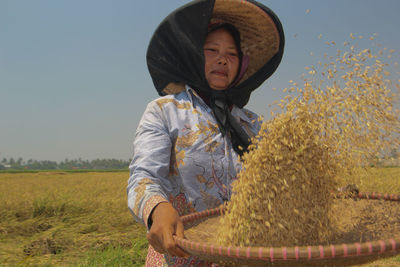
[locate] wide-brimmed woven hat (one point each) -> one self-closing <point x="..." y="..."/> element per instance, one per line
<point x="260" y="38"/>
<point x="175" y="55"/>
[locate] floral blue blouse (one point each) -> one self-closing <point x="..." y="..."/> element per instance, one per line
<point x="180" y="156"/>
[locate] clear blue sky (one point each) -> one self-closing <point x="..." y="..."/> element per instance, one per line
<point x="73" y="76"/>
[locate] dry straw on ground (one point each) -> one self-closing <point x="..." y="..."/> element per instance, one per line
<point x="342" y="118"/>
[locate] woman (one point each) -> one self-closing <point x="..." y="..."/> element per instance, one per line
<point x="205" y="59"/>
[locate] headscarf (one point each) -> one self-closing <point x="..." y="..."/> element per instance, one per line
<point x="175" y="57"/>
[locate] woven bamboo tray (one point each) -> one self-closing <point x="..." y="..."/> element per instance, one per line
<point x="343" y="254"/>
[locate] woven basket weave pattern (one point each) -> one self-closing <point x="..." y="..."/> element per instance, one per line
<point x="329" y="255"/>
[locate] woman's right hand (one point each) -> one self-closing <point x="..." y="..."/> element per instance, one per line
<point x="166" y="223"/>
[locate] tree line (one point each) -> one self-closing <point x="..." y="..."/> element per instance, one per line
<point x="67" y="164"/>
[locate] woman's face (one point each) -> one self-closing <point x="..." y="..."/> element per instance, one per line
<point x="221" y="59"/>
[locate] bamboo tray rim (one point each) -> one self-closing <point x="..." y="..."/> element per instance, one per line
<point x="316" y="252"/>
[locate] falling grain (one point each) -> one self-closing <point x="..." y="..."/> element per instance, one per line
<point x="340" y="120"/>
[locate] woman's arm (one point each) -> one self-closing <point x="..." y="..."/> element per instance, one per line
<point x="148" y="185"/>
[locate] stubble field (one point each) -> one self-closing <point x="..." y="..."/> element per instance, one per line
<point x="68" y="219"/>
<point x="82" y="219"/>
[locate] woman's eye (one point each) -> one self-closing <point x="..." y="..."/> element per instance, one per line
<point x="211" y="49"/>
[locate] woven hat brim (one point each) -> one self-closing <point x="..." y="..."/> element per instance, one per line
<point x="260" y="37"/>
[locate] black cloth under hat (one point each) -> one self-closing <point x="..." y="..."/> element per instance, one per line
<point x="175" y="56"/>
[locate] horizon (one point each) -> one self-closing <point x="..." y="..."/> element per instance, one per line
<point x="74" y="79"/>
<point x="26" y="161"/>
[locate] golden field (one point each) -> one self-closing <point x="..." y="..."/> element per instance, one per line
<point x="64" y="219"/>
<point x="82" y="219"/>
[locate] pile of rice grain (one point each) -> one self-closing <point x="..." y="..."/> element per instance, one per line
<point x="325" y="130"/>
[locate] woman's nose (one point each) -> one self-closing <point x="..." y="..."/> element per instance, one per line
<point x="222" y="60"/>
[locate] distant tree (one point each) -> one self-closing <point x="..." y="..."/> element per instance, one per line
<point x="67" y="164"/>
<point x="19" y="161"/>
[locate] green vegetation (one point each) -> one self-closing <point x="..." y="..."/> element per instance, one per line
<point x="62" y="171"/>
<point x="81" y="219"/>
<point x="75" y="164"/>
<point x="117" y="256"/>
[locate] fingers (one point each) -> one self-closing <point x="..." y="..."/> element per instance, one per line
<point x="180" y="233"/>
<point x="163" y="242"/>
<point x="166" y="223"/>
<point x="156" y="243"/>
<point x="172" y="248"/>
<point x="180" y="252"/>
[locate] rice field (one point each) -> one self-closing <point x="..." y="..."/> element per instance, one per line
<point x="68" y="219"/>
<point x="81" y="219"/>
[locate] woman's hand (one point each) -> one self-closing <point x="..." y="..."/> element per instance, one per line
<point x="166" y="223"/>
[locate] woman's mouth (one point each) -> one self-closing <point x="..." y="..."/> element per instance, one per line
<point x="219" y="73"/>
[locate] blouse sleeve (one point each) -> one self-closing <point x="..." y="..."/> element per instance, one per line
<point x="148" y="184"/>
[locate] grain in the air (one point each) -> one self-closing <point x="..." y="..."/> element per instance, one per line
<point x="342" y="118"/>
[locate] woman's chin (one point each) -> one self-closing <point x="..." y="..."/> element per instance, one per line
<point x="221" y="85"/>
